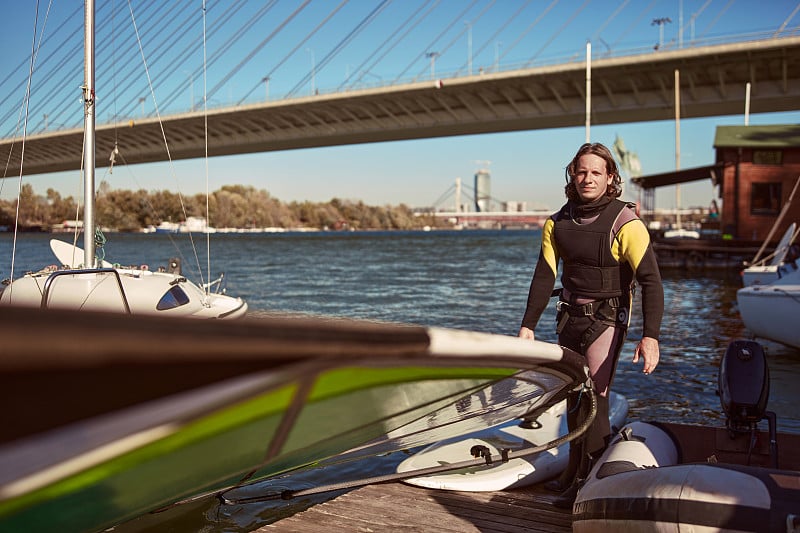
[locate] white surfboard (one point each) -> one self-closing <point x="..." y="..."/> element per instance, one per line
<point x="69" y="255"/>
<point x="514" y="473"/>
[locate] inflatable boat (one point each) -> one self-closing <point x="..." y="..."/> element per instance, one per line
<point x="656" y="477"/>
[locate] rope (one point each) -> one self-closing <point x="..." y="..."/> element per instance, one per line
<point x="481" y="461"/>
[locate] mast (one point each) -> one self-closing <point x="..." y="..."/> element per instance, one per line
<point x="88" y="137"/>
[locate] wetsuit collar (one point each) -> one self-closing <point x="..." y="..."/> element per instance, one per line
<point x="589" y="210"/>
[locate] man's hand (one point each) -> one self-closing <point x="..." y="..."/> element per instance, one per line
<point x="648" y="349"/>
<point x="525" y="333"/>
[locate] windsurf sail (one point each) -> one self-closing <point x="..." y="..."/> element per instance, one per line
<point x="113" y="416"/>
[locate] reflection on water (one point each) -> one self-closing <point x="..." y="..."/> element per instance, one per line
<point x="476" y="280"/>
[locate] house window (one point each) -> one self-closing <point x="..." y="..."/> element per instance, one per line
<point x="767" y="157"/>
<point x="765" y="199"/>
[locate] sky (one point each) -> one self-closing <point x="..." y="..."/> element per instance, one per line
<point x="329" y="45"/>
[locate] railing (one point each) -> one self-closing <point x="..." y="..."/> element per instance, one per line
<point x="50" y="279"/>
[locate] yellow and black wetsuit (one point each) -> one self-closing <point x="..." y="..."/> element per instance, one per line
<point x="604" y="247"/>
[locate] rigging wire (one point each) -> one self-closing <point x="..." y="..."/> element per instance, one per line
<point x="237" y="35"/>
<point x="162" y="50"/>
<point x="182" y="57"/>
<point x="341" y="45"/>
<point x="26" y="101"/>
<point x="205" y="151"/>
<point x="164" y="137"/>
<point x="69" y="67"/>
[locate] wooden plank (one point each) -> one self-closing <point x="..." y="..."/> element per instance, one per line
<point x="399" y="507"/>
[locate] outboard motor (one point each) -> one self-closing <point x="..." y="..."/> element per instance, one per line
<point x="744" y="389"/>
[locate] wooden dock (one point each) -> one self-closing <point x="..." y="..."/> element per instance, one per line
<point x="703" y="254"/>
<point x="393" y="507"/>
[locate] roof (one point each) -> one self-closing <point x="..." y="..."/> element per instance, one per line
<point x="712" y="172"/>
<point x="778" y="136"/>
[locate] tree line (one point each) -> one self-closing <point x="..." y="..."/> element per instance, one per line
<point x="232" y="206"/>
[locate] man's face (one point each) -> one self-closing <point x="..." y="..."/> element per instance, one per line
<point x="591" y="178"/>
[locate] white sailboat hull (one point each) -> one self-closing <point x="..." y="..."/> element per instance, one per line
<point x="771" y="311"/>
<point x="121" y="291"/>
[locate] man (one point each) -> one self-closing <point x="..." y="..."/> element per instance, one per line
<point x="605" y="249"/>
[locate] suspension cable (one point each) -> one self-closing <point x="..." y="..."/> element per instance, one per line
<point x="413" y="62"/>
<point x="304" y="40"/>
<point x="386" y="41"/>
<point x="341" y="44"/>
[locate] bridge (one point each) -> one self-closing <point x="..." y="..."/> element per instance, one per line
<point x="633" y="88"/>
<point x="492" y="219"/>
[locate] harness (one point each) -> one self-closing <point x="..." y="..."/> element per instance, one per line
<point x="609" y="312"/>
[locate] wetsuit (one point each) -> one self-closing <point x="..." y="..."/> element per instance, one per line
<point x="604" y="247"/>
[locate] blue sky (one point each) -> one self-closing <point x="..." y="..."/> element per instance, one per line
<point x="525" y="166"/>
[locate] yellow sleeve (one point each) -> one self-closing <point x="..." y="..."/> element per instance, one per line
<point x="549" y="250"/>
<point x="631" y="243"/>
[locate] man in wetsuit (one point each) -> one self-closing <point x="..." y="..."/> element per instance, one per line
<point x="605" y="249"/>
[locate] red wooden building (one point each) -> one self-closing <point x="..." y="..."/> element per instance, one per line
<point x="755" y="171"/>
<point x="760" y="166"/>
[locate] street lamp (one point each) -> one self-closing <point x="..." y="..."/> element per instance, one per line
<point x="265" y="79"/>
<point x="141" y="101"/>
<point x="660" y="23"/>
<point x="432" y="56"/>
<point x="313" y="69"/>
<point x="497" y="45"/>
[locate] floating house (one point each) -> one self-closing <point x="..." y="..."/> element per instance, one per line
<point x="755" y="171"/>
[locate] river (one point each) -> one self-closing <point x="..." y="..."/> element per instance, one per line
<point x="476" y="280"/>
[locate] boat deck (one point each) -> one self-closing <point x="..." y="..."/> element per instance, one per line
<point x="392" y="507"/>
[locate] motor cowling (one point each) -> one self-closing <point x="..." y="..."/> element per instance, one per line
<point x="744" y="383"/>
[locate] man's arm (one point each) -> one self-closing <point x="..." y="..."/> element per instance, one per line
<point x="544" y="279"/>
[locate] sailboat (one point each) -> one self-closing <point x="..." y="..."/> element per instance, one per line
<point x="92" y="284"/>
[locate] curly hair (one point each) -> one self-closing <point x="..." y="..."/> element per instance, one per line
<point x="614" y="189"/>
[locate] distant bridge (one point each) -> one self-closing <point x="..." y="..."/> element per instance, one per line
<point x="493" y="218"/>
<point x="635" y="88"/>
